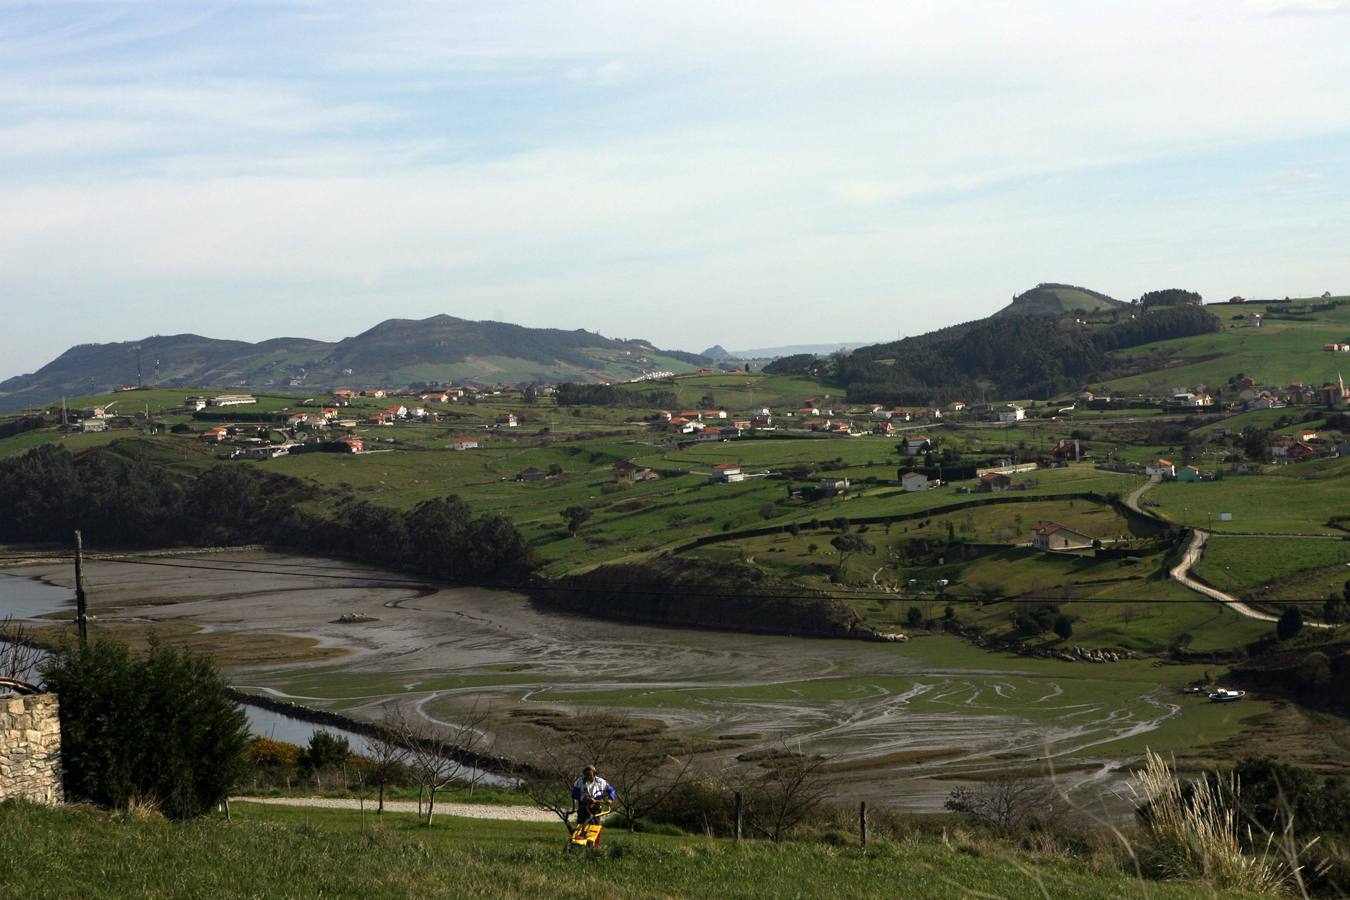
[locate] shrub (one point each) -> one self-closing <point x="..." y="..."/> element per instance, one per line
<point x="1290" y="623"/>
<point x="159" y="727"/>
<point x="325" y="751"/>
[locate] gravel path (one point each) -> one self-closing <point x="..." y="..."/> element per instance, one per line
<point x="465" y="810"/>
<point x="1182" y="573"/>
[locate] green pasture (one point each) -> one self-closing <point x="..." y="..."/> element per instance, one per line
<point x="1276" y="353"/>
<point x="1296" y="499"/>
<point x="271" y="851"/>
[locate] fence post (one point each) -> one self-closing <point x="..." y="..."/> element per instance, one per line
<point x="862" y="824"/>
<point x="739" y="807"/>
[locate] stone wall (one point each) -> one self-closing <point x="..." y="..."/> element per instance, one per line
<point x="30" y="748"/>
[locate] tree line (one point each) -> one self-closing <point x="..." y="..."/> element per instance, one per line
<point x="120" y="500"/>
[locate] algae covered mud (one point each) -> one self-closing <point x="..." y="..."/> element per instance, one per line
<point x="902" y="723"/>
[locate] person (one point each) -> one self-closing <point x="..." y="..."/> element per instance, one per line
<point x="590" y="793"/>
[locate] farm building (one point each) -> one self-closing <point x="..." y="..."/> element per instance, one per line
<point x="727" y="473"/>
<point x="914" y="481"/>
<point x="1053" y="536"/>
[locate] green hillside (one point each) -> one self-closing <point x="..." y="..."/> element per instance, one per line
<point x="1050" y="299"/>
<point x="1287" y="346"/>
<point x="278" y="852"/>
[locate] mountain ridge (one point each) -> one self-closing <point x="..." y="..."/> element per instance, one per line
<point x="440" y="348"/>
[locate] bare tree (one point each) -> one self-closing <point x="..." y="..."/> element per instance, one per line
<point x="19" y="656"/>
<point x="1010" y="803"/>
<point x="553" y="770"/>
<point x="441" y="754"/>
<point x="389" y="749"/>
<point x="785" y="792"/>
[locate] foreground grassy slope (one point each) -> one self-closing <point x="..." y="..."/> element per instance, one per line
<point x="269" y="852"/>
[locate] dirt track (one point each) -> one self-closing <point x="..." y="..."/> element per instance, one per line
<point x="464" y="810"/>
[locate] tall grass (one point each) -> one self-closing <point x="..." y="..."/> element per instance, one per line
<point x="1192" y="831"/>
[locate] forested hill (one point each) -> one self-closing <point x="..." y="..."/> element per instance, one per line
<point x="1049" y="299"/>
<point x="1027" y="356"/>
<point x="396" y="352"/>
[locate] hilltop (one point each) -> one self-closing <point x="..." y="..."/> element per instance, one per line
<point x="439" y="349"/>
<point x="1050" y="299"/>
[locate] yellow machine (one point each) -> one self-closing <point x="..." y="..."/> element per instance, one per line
<point x="588" y="834"/>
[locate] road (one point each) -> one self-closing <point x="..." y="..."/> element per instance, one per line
<point x="1181" y="572"/>
<point x="464" y="810"/>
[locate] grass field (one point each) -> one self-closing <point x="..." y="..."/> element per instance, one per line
<point x="1296" y="499"/>
<point x="278" y="852"/>
<point x="1276" y="353"/>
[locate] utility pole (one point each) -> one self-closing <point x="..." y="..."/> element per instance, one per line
<point x="81" y="619"/>
<point x="138" y="365"/>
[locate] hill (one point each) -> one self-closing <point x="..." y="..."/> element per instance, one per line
<point x="1049" y="299"/>
<point x="440" y="349"/>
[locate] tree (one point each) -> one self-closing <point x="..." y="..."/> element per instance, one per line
<point x="574" y="516"/>
<point x="20" y="658"/>
<point x="530" y="394"/>
<point x="1335" y="611"/>
<point x="1063" y="627"/>
<point x="784" y="793"/>
<point x="159" y="727"/>
<point x="1010" y="803"/>
<point x="326" y="751"/>
<point x="388" y="751"/>
<point x="914" y="617"/>
<point x="707" y="401"/>
<point x="1290" y="623"/>
<point x="849" y="544"/>
<point x="441" y="754"/>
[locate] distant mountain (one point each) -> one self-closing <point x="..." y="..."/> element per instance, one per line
<point x="717" y="353"/>
<point x="794" y="349"/>
<point x="1050" y="299"/>
<point x="439" y="350"/>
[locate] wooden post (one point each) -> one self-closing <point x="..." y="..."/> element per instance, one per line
<point x="227" y="809"/>
<point x="81" y="618"/>
<point x="739" y="809"/>
<point x="862" y="824"/>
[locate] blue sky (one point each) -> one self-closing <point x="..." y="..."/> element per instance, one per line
<point x="693" y="173"/>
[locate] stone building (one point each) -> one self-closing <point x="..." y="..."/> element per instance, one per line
<point x="30" y="747"/>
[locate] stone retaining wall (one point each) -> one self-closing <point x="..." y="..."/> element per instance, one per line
<point x="30" y="749"/>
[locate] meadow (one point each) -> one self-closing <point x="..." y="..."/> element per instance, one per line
<point x="1295" y="499"/>
<point x="279" y="852"/>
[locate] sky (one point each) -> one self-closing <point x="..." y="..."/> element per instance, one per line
<point x="749" y="173"/>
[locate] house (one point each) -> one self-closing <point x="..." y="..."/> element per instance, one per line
<point x="1011" y="413"/>
<point x="530" y="473"/>
<point x="1069" y="449"/>
<point x="231" y="400"/>
<point x="507" y="420"/>
<point x="1237" y="299"/>
<point x="1188" y="474"/>
<point x="714" y="413"/>
<point x="419" y="412"/>
<point x="464" y="444"/>
<point x="816" y="424"/>
<point x="900" y="415"/>
<point x="914" y="481"/>
<point x="809" y="411"/>
<point x="956" y="406"/>
<point x="435" y="397"/>
<point x="885" y="429"/>
<point x="1189" y="400"/>
<point x="87" y="426"/>
<point x="1292" y="451"/>
<point x="195" y="403"/>
<point x="727" y="473"/>
<point x="377" y="393"/>
<point x="1254" y="320"/>
<point x="342" y="397"/>
<point x="1338" y="347"/>
<point x="832" y="484"/>
<point x="663" y="415"/>
<point x="1162" y="468"/>
<point x="991" y="482"/>
<point x="841" y="428"/>
<point x="763" y="423"/>
<point x="396" y="412"/>
<point x="741" y="424"/>
<point x="1305" y="434"/>
<point x="692" y="415"/>
<point x="216" y="434"/>
<point x="298" y="420"/>
<point x="1051" y="536"/>
<point x="353" y="443"/>
<point x="761" y="411"/>
<point x="917" y="444"/>
<point x="378" y="418"/>
<point x="263" y="451"/>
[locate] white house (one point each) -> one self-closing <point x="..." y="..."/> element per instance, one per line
<point x="508" y="420"/>
<point x="917" y="443"/>
<point x="914" y="481"/>
<point x="464" y="444"/>
<point x="231" y="400"/>
<point x="727" y="473"/>
<point x="1011" y="413"/>
<point x="1162" y="468"/>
